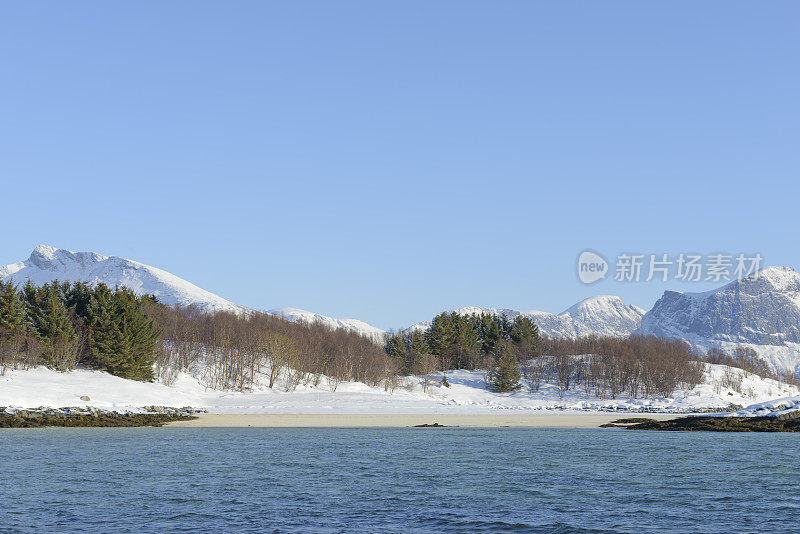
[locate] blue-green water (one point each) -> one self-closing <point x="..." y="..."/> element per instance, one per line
<point x="396" y="480"/>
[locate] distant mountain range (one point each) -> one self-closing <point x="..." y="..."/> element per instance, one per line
<point x="603" y="315"/>
<point x="761" y="311"/>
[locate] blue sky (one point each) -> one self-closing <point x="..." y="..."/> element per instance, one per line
<point x="387" y="161"/>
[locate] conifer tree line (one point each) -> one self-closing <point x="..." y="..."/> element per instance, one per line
<point x="477" y="341"/>
<point x="62" y="325"/>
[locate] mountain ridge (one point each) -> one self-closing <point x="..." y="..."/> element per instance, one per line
<point x="599" y="315"/>
<point x="762" y="309"/>
<point x="47" y="263"/>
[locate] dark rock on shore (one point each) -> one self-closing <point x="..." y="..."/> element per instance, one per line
<point x="85" y="417"/>
<point x="784" y="423"/>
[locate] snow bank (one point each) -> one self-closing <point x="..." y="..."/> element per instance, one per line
<point x="771" y="408"/>
<point x="466" y="395"/>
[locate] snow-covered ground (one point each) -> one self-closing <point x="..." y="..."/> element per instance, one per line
<point x="772" y="408"/>
<point x="467" y="395"/>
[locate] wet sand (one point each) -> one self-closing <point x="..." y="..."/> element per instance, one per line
<point x="545" y="420"/>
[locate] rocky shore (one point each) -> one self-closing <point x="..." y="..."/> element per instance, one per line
<point x="787" y="422"/>
<point x="92" y="417"/>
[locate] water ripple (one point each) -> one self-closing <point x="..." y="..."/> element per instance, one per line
<point x="396" y="480"/>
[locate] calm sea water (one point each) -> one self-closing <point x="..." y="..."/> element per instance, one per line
<point x="396" y="480"/>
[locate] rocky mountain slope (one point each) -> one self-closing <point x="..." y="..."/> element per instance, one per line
<point x="761" y="311"/>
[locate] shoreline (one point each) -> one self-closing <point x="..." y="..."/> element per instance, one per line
<point x="551" y="420"/>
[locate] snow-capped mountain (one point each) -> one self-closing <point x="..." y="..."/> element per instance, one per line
<point x="47" y="264"/>
<point x="604" y="315"/>
<point x="354" y="325"/>
<point x="761" y="311"/>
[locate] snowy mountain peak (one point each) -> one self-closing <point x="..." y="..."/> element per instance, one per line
<point x="601" y="304"/>
<point x="46" y="264"/>
<point x="50" y="258"/>
<point x="43" y="253"/>
<point x="780" y="278"/>
<point x="604" y="315"/>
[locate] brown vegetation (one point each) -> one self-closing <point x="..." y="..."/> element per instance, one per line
<point x="236" y="348"/>
<point x="607" y="367"/>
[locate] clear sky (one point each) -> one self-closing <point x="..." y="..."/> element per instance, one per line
<point x="389" y="160"/>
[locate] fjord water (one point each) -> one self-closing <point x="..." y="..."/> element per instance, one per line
<point x="396" y="480"/>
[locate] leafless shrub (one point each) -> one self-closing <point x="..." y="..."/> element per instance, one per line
<point x="608" y="367"/>
<point x="236" y="349"/>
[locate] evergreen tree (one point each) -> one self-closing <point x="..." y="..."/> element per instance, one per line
<point x="440" y="337"/>
<point x="140" y="335"/>
<point x="397" y="350"/>
<point x="466" y="342"/>
<point x="122" y="339"/>
<point x="52" y="323"/>
<point x="417" y="351"/>
<point x="525" y="335"/>
<point x="105" y="331"/>
<point x="489" y="332"/>
<point x="505" y="326"/>
<point x="504" y="375"/>
<point x="30" y="294"/>
<point x="77" y="297"/>
<point x="51" y="318"/>
<point x="12" y="311"/>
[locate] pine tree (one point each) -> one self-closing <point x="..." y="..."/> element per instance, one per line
<point x="105" y="332"/>
<point x="78" y="296"/>
<point x="525" y="334"/>
<point x="465" y="341"/>
<point x="440" y="337"/>
<point x="12" y="311"/>
<point x="52" y="323"/>
<point x="397" y="350"/>
<point x="504" y="375"/>
<point x="122" y="339"/>
<point x="489" y="332"/>
<point x="140" y="335"/>
<point x="417" y="352"/>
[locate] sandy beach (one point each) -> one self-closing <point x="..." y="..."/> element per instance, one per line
<point x="548" y="420"/>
